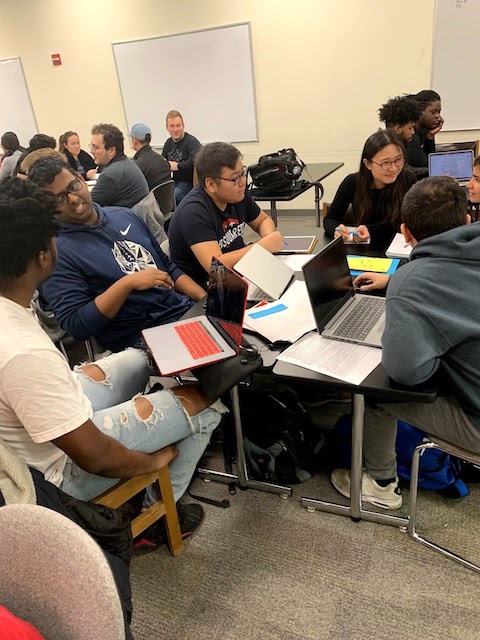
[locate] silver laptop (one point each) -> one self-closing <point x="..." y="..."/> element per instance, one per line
<point x="268" y="276"/>
<point x="457" y="164"/>
<point x="340" y="313"/>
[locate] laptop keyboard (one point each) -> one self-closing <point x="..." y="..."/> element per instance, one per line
<point x="255" y="293"/>
<point x="197" y="340"/>
<point x="361" y="320"/>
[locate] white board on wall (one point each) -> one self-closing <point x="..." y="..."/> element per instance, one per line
<point x="16" y="112"/>
<point x="455" y="62"/>
<point x="206" y="75"/>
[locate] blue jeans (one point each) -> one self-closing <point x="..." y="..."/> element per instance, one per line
<point x="115" y="414"/>
<point x="181" y="190"/>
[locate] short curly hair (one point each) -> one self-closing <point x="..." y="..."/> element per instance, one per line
<point x="399" y="111"/>
<point x="28" y="226"/>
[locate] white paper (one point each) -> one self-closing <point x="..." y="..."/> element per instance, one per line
<point x="296" y="296"/>
<point x="342" y="360"/>
<point x="398" y="247"/>
<point x="287" y="324"/>
<point x="296" y="262"/>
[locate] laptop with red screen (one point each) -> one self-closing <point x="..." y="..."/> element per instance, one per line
<point x="198" y="341"/>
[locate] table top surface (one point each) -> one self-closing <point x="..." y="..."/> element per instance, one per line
<point x="377" y="384"/>
<point x="313" y="173"/>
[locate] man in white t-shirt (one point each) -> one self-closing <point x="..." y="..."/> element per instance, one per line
<point x="84" y="429"/>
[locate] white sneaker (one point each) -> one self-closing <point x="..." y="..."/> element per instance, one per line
<point x="388" y="497"/>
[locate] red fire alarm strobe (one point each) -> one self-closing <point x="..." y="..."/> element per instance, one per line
<point x="57" y="61"/>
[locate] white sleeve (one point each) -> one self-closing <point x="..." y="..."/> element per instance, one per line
<point x="43" y="393"/>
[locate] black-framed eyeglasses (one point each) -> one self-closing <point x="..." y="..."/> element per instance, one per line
<point x="236" y="181"/>
<point x="386" y="164"/>
<point x="74" y="187"/>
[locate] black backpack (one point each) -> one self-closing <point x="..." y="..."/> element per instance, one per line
<point x="276" y="171"/>
<point x="280" y="440"/>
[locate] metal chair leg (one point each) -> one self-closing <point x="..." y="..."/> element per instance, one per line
<point x="412" y="518"/>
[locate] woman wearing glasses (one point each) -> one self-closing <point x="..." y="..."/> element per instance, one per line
<point x="80" y="161"/>
<point x="369" y="201"/>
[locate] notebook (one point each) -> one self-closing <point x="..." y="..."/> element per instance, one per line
<point x="457" y="164"/>
<point x="269" y="276"/>
<point x="398" y="247"/>
<point x="198" y="341"/>
<point x="340" y="313"/>
<point x="298" y="244"/>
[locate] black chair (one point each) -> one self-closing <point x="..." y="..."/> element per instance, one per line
<point x="165" y="195"/>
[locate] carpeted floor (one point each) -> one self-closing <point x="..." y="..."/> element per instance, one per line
<point x="266" y="569"/>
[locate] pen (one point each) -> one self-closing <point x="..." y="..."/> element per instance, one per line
<point x="353" y="232"/>
<point x="285" y="243"/>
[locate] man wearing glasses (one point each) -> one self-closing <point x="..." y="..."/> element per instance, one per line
<point x="210" y="220"/>
<point x="121" y="182"/>
<point x="112" y="279"/>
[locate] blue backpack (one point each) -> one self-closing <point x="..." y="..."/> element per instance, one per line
<point x="439" y="471"/>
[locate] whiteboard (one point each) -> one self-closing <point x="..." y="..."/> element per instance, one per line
<point x="16" y="112"/>
<point x="455" y="62"/>
<point x="207" y="75"/>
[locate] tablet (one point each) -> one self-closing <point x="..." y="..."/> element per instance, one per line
<point x="298" y="244"/>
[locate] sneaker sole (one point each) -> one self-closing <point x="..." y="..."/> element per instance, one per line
<point x="390" y="506"/>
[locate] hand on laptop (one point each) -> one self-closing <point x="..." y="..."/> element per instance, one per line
<point x="148" y="278"/>
<point x="272" y="241"/>
<point x="370" y="281"/>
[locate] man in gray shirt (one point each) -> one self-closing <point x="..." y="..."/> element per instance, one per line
<point x="121" y="183"/>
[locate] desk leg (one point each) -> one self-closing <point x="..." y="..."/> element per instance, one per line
<point x="273" y="211"/>
<point x="355" y="510"/>
<point x="358" y="416"/>
<point x="242" y="478"/>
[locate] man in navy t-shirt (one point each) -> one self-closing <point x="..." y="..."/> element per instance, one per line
<point x="210" y="220"/>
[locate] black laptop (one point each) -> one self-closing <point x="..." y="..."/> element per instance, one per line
<point x="340" y="313"/>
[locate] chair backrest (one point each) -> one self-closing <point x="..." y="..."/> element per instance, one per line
<point x="149" y="211"/>
<point x="55" y="576"/>
<point x="348" y="219"/>
<point x="165" y="195"/>
<point x="165" y="247"/>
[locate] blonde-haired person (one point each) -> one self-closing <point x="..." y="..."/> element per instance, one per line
<point x="180" y="150"/>
<point x="80" y="161"/>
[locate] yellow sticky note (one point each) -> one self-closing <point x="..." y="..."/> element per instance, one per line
<point x="364" y="263"/>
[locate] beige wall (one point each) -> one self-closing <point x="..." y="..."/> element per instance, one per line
<point x="322" y="67"/>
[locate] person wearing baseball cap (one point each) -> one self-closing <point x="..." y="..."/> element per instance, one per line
<point x="154" y="167"/>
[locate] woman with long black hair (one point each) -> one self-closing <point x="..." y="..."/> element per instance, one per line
<point x="369" y="200"/>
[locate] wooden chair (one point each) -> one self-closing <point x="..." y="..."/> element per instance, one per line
<point x="165" y="506"/>
<point x="348" y="220"/>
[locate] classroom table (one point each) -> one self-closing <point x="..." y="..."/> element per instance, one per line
<point x="377" y="386"/>
<point x="241" y="478"/>
<point x="316" y="172"/>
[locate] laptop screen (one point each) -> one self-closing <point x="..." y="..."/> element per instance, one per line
<point x="226" y="300"/>
<point x="328" y="280"/>
<point x="457" y="164"/>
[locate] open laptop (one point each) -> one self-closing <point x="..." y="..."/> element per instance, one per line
<point x="340" y="313"/>
<point x="457" y="164"/>
<point x="198" y="341"/>
<point x="268" y="276"/>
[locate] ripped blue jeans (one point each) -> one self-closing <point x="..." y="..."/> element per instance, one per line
<point x="113" y="402"/>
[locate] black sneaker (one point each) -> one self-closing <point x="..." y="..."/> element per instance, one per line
<point x="190" y="517"/>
